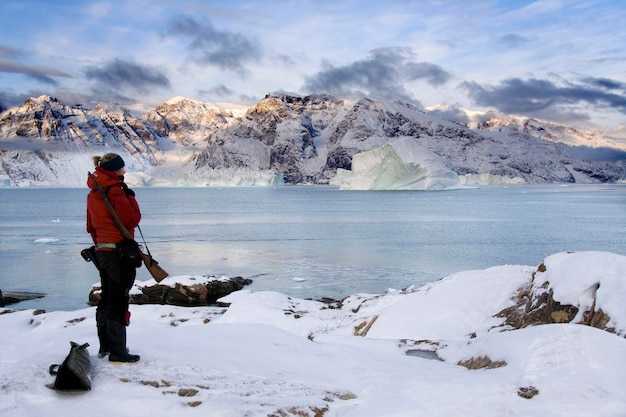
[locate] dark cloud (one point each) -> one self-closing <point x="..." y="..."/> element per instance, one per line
<point x="9" y="99"/>
<point x="535" y="96"/>
<point x="452" y="113"/>
<point x="209" y="46"/>
<point x="219" y="91"/>
<point x="611" y="155"/>
<point x="37" y="72"/>
<point x="119" y="75"/>
<point x="383" y="74"/>
<point x="605" y="83"/>
<point x="8" y="52"/>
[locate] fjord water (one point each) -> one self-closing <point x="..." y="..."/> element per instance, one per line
<point x="309" y="242"/>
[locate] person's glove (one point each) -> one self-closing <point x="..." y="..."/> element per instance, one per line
<point x="128" y="191"/>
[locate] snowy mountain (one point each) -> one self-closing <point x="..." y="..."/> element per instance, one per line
<point x="186" y="121"/>
<point x="45" y="142"/>
<point x="512" y="125"/>
<point x="286" y="138"/>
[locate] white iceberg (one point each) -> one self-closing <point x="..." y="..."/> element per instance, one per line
<point x="399" y="165"/>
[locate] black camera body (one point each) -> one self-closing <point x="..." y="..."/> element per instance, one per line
<point x="89" y="255"/>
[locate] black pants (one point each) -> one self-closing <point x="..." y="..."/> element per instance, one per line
<point x="116" y="281"/>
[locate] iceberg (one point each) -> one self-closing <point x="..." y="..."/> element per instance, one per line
<point x="399" y="165"/>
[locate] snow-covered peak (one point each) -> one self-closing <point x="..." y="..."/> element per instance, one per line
<point x="176" y="100"/>
<point x="41" y="100"/>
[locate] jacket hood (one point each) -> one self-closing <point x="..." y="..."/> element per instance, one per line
<point x="104" y="178"/>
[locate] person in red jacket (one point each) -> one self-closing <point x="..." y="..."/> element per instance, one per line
<point x="112" y="315"/>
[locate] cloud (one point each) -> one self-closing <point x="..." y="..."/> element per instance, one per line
<point x="118" y="75"/>
<point x="605" y="83"/>
<point x="219" y="91"/>
<point x="8" y="52"/>
<point x="519" y="96"/>
<point x="209" y="46"/>
<point x="40" y="73"/>
<point x="512" y="41"/>
<point x="8" y="99"/>
<point x="37" y="72"/>
<point x="383" y="74"/>
<point x="611" y="155"/>
<point x="454" y="113"/>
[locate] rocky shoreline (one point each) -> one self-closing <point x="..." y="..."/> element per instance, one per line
<point x="7" y="298"/>
<point x="180" y="291"/>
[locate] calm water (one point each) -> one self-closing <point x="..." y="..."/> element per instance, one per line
<point x="309" y="241"/>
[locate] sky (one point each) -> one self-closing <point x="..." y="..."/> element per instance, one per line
<point x="557" y="60"/>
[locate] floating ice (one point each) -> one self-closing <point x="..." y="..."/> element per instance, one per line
<point x="399" y="165"/>
<point x="46" y="240"/>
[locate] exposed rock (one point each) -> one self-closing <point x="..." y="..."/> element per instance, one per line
<point x="206" y="292"/>
<point x="7" y="298"/>
<point x="187" y="392"/>
<point x="527" y="392"/>
<point x="364" y="327"/>
<point x="218" y="289"/>
<point x="534" y="304"/>
<point x="483" y="362"/>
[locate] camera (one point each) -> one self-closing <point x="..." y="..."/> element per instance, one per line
<point x="86" y="254"/>
<point x="89" y="255"/>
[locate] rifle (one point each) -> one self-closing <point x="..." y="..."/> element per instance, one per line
<point x="151" y="264"/>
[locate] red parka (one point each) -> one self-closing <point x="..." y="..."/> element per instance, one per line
<point x="100" y="224"/>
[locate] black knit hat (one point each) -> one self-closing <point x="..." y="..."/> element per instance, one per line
<point x="112" y="164"/>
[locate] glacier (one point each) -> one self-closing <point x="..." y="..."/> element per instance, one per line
<point x="208" y="177"/>
<point x="399" y="165"/>
<point x="486" y="179"/>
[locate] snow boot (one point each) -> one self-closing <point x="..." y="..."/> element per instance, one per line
<point x="117" y="343"/>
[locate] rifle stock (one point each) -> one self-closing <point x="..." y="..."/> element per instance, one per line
<point x="158" y="273"/>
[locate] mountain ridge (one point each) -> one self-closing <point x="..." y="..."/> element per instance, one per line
<point x="284" y="138"/>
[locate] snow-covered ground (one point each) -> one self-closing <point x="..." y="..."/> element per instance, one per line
<point x="392" y="354"/>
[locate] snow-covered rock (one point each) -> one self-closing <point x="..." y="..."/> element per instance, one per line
<point x="574" y="287"/>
